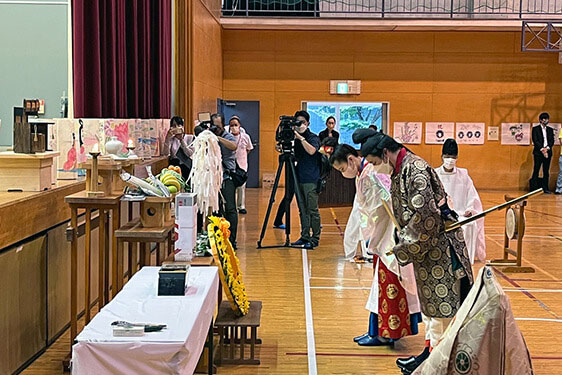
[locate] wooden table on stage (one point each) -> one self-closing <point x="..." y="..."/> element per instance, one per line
<point x="26" y="172"/>
<point x="102" y="204"/>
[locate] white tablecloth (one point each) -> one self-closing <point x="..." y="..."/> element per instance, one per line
<point x="175" y="350"/>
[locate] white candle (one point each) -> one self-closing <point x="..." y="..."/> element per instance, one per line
<point x="96" y="148"/>
<point x="130" y="143"/>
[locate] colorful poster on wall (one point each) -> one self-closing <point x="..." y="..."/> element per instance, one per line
<point x="116" y="128"/>
<point x="67" y="145"/>
<point x="438" y="132"/>
<point x="470" y="133"/>
<point x="516" y="133"/>
<point x="408" y="132"/>
<point x="493" y="133"/>
<point x="556" y="126"/>
<point x="90" y="132"/>
<point x="163" y="126"/>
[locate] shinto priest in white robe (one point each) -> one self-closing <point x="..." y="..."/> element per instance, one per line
<point x="464" y="198"/>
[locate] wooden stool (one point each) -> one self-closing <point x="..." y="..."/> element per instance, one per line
<point x="133" y="232"/>
<point x="233" y="330"/>
<point x="82" y="201"/>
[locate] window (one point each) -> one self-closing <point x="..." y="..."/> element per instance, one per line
<point x="349" y="116"/>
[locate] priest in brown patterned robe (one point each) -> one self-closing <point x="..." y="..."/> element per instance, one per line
<point x="441" y="263"/>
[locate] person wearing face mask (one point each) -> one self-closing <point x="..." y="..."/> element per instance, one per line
<point x="330" y="130"/>
<point x="244" y="144"/>
<point x="393" y="300"/>
<point x="543" y="141"/>
<point x="464" y="199"/>
<point x="228" y="146"/>
<point x="440" y="259"/>
<point x="308" y="174"/>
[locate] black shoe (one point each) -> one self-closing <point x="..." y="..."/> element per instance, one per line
<point x="356" y="339"/>
<point x="242" y="211"/>
<point x="279" y="226"/>
<point x="308" y="246"/>
<point x="375" y="341"/>
<point x="408" y="365"/>
<point x="547" y="192"/>
<point x="299" y="243"/>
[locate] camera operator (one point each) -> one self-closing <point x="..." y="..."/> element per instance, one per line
<point x="308" y="175"/>
<point x="228" y="146"/>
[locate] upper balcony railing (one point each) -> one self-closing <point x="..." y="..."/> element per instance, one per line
<point x="407" y="9"/>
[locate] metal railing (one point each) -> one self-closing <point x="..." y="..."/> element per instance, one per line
<point x="462" y="9"/>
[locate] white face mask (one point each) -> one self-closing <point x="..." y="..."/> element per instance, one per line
<point x="449" y="163"/>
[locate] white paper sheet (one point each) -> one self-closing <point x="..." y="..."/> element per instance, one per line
<point x="438" y="132"/>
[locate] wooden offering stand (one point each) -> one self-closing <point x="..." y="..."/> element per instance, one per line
<point x="109" y="170"/>
<point x="514" y="229"/>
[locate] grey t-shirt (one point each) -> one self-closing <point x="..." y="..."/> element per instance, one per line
<point x="228" y="156"/>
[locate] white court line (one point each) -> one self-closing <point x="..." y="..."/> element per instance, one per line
<point x="332" y="278"/>
<point x="540" y="320"/>
<point x="311" y="345"/>
<point x="337" y="287"/>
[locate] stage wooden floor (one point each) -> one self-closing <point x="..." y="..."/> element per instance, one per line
<point x="338" y="291"/>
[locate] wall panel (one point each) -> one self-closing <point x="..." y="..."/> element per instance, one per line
<point x="426" y="76"/>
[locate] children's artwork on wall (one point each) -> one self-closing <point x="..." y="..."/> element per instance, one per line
<point x="470" y="133"/>
<point x="163" y="126"/>
<point x="67" y="145"/>
<point x="116" y="128"/>
<point x="493" y="133"/>
<point x="408" y="132"/>
<point x="516" y="133"/>
<point x="438" y="132"/>
<point x="153" y="137"/>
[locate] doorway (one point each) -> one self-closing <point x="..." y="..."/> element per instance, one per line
<point x="249" y="113"/>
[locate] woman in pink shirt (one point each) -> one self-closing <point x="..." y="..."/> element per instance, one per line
<point x="244" y="147"/>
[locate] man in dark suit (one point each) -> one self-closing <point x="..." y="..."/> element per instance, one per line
<point x="543" y="141"/>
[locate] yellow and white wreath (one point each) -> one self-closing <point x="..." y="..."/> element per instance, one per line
<point x="230" y="275"/>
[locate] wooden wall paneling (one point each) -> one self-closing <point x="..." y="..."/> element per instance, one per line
<point x="426" y="76"/>
<point x="23" y="307"/>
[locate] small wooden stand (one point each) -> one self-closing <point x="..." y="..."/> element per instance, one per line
<point x="78" y="201"/>
<point x="156" y="212"/>
<point x="514" y="266"/>
<point x="26" y="172"/>
<point x="133" y="232"/>
<point x="109" y="170"/>
<point x="233" y="330"/>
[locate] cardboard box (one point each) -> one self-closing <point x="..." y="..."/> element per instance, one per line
<point x="186" y="216"/>
<point x="186" y="199"/>
<point x="186" y="240"/>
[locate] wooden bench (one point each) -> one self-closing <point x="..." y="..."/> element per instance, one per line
<point x="233" y="331"/>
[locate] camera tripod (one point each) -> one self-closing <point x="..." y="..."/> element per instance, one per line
<point x="287" y="161"/>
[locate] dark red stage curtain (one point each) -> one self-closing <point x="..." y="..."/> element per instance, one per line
<point x="122" y="58"/>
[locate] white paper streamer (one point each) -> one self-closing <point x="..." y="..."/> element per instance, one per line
<point x="206" y="172"/>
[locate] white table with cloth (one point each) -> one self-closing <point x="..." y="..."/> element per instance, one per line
<point x="174" y="350"/>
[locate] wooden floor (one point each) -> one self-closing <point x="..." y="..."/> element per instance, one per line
<point x="339" y="290"/>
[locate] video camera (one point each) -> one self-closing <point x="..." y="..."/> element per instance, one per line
<point x="285" y="133"/>
<point x="205" y="122"/>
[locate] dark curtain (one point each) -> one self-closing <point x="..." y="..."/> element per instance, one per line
<point x="122" y="58"/>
